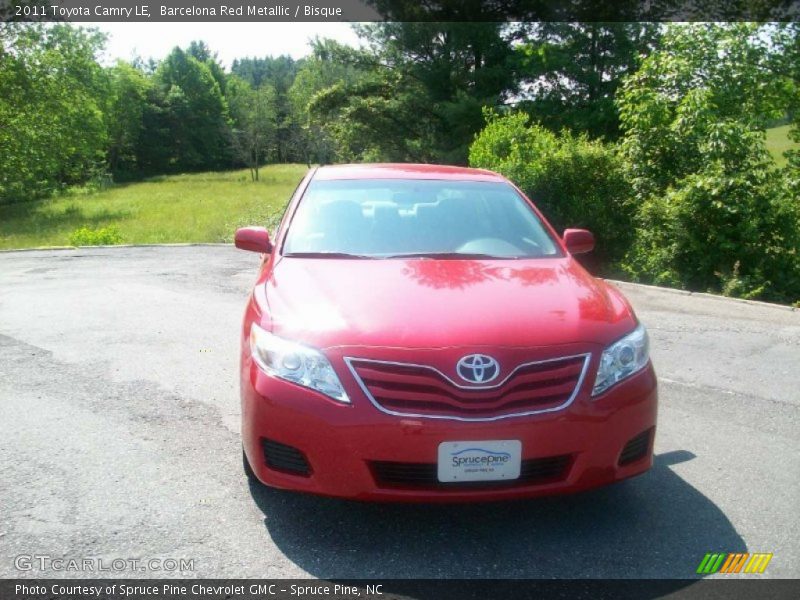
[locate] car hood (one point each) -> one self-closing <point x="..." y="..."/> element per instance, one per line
<point x="427" y="303"/>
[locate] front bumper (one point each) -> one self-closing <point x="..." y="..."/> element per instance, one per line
<point x="343" y="443"/>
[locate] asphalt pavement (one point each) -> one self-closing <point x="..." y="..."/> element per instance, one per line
<point x="119" y="420"/>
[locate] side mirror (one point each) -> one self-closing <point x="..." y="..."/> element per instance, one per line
<point x="578" y="241"/>
<point x="255" y="239"/>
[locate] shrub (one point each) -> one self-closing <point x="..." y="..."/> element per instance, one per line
<point x="105" y="236"/>
<point x="574" y="181"/>
<point x="721" y="231"/>
<point x="715" y="214"/>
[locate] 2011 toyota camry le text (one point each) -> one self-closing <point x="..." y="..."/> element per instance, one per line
<point x="421" y="333"/>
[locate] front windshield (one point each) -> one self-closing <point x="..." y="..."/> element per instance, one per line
<point x="381" y="218"/>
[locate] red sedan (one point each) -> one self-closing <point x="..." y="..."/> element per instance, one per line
<point x="421" y="333"/>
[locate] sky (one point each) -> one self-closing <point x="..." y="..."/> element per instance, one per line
<point x="228" y="40"/>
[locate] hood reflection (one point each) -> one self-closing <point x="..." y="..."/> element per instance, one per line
<point x="459" y="274"/>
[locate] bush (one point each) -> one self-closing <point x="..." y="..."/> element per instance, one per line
<point x="105" y="236"/>
<point x="716" y="214"/>
<point x="722" y="231"/>
<point x="574" y="181"/>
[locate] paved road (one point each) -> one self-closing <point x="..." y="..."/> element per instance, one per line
<point x="119" y="439"/>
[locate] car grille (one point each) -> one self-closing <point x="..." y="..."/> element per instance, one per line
<point x="422" y="391"/>
<point x="425" y="475"/>
<point x="283" y="458"/>
<point x="636" y="448"/>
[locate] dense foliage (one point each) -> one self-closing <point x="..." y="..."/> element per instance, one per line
<point x="575" y="181"/>
<point x="420" y="90"/>
<point x="278" y="73"/>
<point x="715" y="213"/>
<point x="53" y="97"/>
<point x="689" y="196"/>
<point x="572" y="71"/>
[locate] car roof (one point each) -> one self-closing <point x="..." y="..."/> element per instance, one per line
<point x="404" y="171"/>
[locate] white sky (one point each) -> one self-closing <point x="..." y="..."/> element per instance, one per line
<point x="228" y="40"/>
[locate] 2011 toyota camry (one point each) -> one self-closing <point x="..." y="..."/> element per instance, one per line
<point x="421" y="333"/>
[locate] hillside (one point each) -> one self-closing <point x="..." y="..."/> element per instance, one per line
<point x="202" y="207"/>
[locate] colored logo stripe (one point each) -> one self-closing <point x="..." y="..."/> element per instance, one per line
<point x="758" y="563"/>
<point x="710" y="563"/>
<point x="734" y="562"/>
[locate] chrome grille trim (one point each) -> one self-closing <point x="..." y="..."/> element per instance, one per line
<point x="586" y="360"/>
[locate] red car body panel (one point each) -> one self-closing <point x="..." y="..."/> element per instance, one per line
<point x="435" y="303"/>
<point x="433" y="312"/>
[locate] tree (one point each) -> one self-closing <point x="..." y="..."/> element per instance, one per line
<point x="317" y="73"/>
<point x="714" y="211"/>
<point x="380" y="118"/>
<point x="279" y="73"/>
<point x="129" y="91"/>
<point x="703" y="75"/>
<point x="200" y="50"/>
<point x="785" y="65"/>
<point x="570" y="72"/>
<point x="422" y="91"/>
<point x="254" y="115"/>
<point x="52" y="96"/>
<point x="154" y="150"/>
<point x="196" y="112"/>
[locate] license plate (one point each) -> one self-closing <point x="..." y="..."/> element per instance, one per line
<point x="493" y="460"/>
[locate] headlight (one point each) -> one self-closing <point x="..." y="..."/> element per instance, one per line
<point x="296" y="363"/>
<point x="622" y="359"/>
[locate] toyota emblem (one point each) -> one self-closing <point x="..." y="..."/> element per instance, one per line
<point x="478" y="368"/>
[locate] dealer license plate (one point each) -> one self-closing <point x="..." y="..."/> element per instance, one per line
<point x="493" y="460"/>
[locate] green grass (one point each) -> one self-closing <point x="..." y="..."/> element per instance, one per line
<point x="203" y="207"/>
<point x="778" y="142"/>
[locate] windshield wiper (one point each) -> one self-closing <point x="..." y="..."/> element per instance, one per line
<point x="451" y="255"/>
<point x="325" y="255"/>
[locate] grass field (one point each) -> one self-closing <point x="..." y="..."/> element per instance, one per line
<point x="204" y="207"/>
<point x="778" y="142"/>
